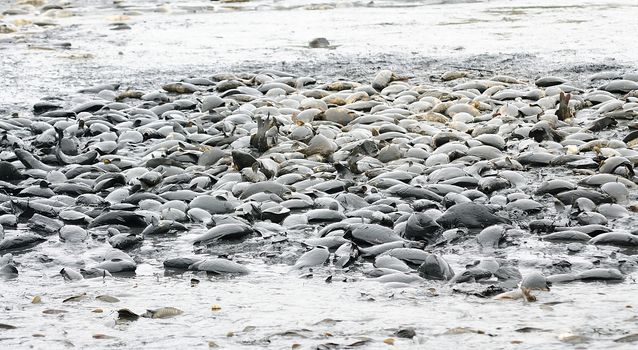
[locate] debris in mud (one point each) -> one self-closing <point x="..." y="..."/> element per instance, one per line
<point x="103" y="336"/>
<point x="53" y="311"/>
<point x="75" y="298"/>
<point x="627" y="339"/>
<point x="572" y="338"/>
<point x="127" y="315"/>
<point x="164" y="312"/>
<point x="319" y="43"/>
<point x="408" y="333"/>
<point x="464" y="330"/>
<point x="389" y="341"/>
<point x="107" y="298"/>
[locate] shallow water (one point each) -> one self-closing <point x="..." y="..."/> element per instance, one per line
<point x="274" y="309"/>
<point x="359" y="309"/>
<point x="198" y="38"/>
<point x="181" y="38"/>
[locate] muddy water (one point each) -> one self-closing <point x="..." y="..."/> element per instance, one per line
<point x="181" y="38"/>
<point x="275" y="310"/>
<point x="273" y="307"/>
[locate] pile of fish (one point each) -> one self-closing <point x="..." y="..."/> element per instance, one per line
<point x="388" y="179"/>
